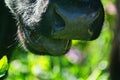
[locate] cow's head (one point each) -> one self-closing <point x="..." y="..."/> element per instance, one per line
<point x="48" y="26"/>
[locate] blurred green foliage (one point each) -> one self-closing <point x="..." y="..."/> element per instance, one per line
<point x="85" y="61"/>
<point x="3" y="66"/>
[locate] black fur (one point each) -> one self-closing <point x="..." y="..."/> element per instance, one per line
<point x="8" y="30"/>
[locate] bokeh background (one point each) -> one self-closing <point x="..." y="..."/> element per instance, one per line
<point x="85" y="60"/>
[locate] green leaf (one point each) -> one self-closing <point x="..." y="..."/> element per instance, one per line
<point x="3" y="66"/>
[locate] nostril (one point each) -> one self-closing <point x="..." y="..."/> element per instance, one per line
<point x="59" y="23"/>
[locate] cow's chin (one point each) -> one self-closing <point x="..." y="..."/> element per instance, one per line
<point x="43" y="45"/>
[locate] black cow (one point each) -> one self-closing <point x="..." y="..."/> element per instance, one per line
<point x="48" y="26"/>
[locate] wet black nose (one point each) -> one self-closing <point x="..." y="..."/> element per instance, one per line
<point x="74" y="23"/>
<point x="81" y="20"/>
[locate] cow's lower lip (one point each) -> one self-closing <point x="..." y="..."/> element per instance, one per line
<point x="43" y="45"/>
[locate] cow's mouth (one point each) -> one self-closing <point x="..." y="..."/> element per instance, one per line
<point x="41" y="44"/>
